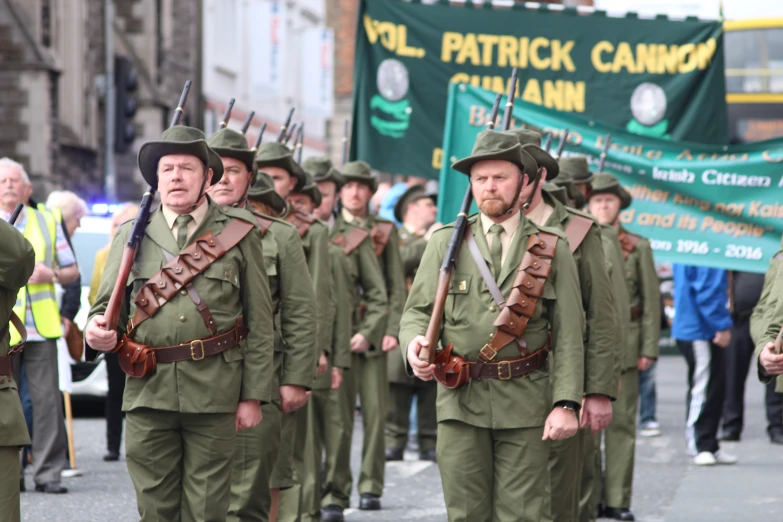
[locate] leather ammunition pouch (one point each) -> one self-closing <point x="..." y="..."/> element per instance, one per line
<point x="352" y="240"/>
<point x="380" y="236"/>
<point x="6" y="361"/>
<point x="301" y="221"/>
<point x="628" y="243"/>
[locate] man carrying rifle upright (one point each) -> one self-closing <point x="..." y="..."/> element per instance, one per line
<point x="199" y="340"/>
<point x="502" y="397"/>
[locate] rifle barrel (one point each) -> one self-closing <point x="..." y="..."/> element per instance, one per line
<point x="259" y="137"/>
<point x="281" y="136"/>
<point x="290" y="134"/>
<point x="512" y="91"/>
<point x="179" y="111"/>
<point x="604" y="153"/>
<point x="247" y="122"/>
<point x="561" y="146"/>
<point x="299" y="143"/>
<point x="226" y="115"/>
<point x="345" y="144"/>
<point x="548" y="142"/>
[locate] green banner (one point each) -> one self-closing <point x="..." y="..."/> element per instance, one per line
<point x="654" y="77"/>
<point x="707" y="205"/>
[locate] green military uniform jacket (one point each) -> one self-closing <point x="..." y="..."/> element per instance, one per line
<point x="412" y="248"/>
<point x="467" y="324"/>
<point x="294" y="303"/>
<point x="234" y="286"/>
<point x="767" y="317"/>
<point x="643" y="292"/>
<point x="17" y="261"/>
<point x="615" y="266"/>
<point x="368" y="287"/>
<point x="597" y="302"/>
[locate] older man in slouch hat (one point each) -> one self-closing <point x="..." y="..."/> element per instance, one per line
<point x="198" y="300"/>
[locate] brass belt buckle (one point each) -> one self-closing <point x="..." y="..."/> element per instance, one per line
<point x="507" y="365"/>
<point x="489" y="350"/>
<point x="193" y="344"/>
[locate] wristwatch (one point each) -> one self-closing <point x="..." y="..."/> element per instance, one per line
<point x="568" y="405"/>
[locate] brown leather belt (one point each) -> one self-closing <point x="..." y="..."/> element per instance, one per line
<point x="199" y="348"/>
<point x="6" y="366"/>
<point x="636" y="314"/>
<point x="506" y="369"/>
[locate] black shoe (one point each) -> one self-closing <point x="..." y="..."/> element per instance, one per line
<point x="51" y="487"/>
<point x="22" y="487"/>
<point x="428" y="455"/>
<point x="729" y="437"/>
<point x="111" y="456"/>
<point x="393" y="454"/>
<point x="618" y="513"/>
<point x="369" y="502"/>
<point x="776" y="437"/>
<point x="332" y="513"/>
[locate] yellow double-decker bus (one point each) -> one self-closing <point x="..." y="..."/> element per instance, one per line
<point x="754" y="78"/>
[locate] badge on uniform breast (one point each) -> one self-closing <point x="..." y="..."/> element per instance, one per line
<point x="463" y="285"/>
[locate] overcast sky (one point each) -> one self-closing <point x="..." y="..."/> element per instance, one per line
<point x="732" y="9"/>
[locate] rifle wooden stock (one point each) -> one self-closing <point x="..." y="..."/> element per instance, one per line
<point x="15" y="214"/>
<point x="259" y="137"/>
<point x="284" y="129"/>
<point x="247" y="122"/>
<point x="226" y="115"/>
<point x="112" y="312"/>
<point x="427" y="353"/>
<point x="604" y="153"/>
<point x="562" y="144"/>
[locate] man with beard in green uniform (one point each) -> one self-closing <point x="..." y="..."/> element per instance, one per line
<point x="584" y="240"/>
<point x="416" y="211"/>
<point x="370" y="369"/>
<point x="369" y="326"/>
<point x="17" y="260"/>
<point x="605" y="201"/>
<point x="294" y="303"/>
<point x="206" y="318"/>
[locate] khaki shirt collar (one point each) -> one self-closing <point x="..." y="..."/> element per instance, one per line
<point x="541" y="213"/>
<point x="198" y="215"/>
<point x="510" y="225"/>
<point x="350" y="218"/>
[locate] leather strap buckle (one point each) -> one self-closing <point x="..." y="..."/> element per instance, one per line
<point x="193" y="344"/>
<point x="488" y="353"/>
<point x="507" y="366"/>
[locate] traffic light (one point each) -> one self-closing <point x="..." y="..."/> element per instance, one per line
<point x="125" y="83"/>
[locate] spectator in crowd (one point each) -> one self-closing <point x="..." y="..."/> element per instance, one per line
<point x="386" y="209"/>
<point x="114" y="373"/>
<point x="702" y="328"/>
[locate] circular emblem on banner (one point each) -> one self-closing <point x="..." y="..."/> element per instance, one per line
<point x="648" y="104"/>
<point x="392" y="80"/>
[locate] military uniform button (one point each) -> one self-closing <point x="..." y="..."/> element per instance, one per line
<point x="183" y="292"/>
<point x="493" y="308"/>
<point x="182" y="319"/>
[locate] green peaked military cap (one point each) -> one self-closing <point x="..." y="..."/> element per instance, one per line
<point x="274" y="154"/>
<point x="229" y="143"/>
<point x="263" y="190"/>
<point x="492" y="145"/>
<point x="413" y="194"/>
<point x="322" y="169"/>
<point x="177" y="140"/>
<point x="361" y="172"/>
<point x="577" y="169"/>
<point x="531" y="143"/>
<point x="604" y="183"/>
<point x="310" y="189"/>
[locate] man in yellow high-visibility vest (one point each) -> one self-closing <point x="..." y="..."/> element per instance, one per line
<point x="36" y="304"/>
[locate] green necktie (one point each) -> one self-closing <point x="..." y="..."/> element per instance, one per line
<point x="182" y="229"/>
<point x="496" y="250"/>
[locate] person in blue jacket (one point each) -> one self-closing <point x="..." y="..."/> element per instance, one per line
<point x="702" y="324"/>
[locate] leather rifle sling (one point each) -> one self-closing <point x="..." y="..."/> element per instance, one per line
<point x="201" y="305"/>
<point x="628" y="243"/>
<point x="20" y="327"/>
<point x="577" y="230"/>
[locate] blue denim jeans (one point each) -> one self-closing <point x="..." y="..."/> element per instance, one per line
<point x="647" y="396"/>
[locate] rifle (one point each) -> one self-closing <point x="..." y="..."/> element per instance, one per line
<point x="299" y="143"/>
<point x="345" y="145"/>
<point x="284" y="128"/>
<point x="226" y="115"/>
<point x="248" y="121"/>
<point x="15" y="213"/>
<point x="288" y="137"/>
<point x="460" y="225"/>
<point x="602" y="161"/>
<point x="112" y="313"/>
<point x="259" y="137"/>
<point x="548" y="142"/>
<point x="562" y="144"/>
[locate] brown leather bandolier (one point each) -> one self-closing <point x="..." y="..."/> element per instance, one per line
<point x="301" y="221"/>
<point x="138" y="360"/>
<point x="628" y="242"/>
<point x="636" y="314"/>
<point x="264" y="224"/>
<point x="380" y="236"/>
<point x="453" y="371"/>
<point x="352" y="240"/>
<point x="577" y="230"/>
<point x="6" y="361"/>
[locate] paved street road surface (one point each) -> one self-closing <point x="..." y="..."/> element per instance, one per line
<point x="667" y="487"/>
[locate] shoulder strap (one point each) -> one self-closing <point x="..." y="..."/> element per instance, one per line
<point x="201" y="306"/>
<point x="263" y="224"/>
<point x="20" y="327"/>
<point x="483" y="269"/>
<point x="380" y="236"/>
<point x="577" y="230"/>
<point x="180" y="271"/>
<point x="628" y="243"/>
<point x="301" y="220"/>
<point x="352" y="240"/>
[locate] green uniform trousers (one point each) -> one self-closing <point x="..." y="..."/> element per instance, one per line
<point x="620" y="444"/>
<point x="338" y="434"/>
<point x="255" y="453"/>
<point x="493" y="475"/>
<point x="180" y="464"/>
<point x="370" y="382"/>
<point x="283" y="471"/>
<point x="398" y="418"/>
<point x="291" y="497"/>
<point x="9" y="483"/>
<point x="591" y="475"/>
<point x="565" y="470"/>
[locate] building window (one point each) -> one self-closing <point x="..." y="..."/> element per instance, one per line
<point x="227" y="33"/>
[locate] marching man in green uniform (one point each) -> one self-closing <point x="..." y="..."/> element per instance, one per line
<point x="510" y="397"/>
<point x="256" y="449"/>
<point x="212" y="338"/>
<point x="369" y="369"/>
<point x="766" y="322"/>
<point x="416" y="211"/>
<point x="368" y="287"/>
<point x="17" y="260"/>
<point x="584" y="241"/>
<point x="606" y="199"/>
